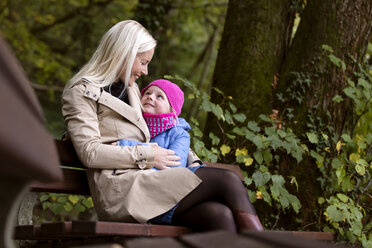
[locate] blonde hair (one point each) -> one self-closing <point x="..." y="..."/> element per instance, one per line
<point x="115" y="55"/>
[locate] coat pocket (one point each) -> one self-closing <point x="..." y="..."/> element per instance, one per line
<point x="118" y="172"/>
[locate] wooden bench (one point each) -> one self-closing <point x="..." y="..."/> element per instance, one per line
<point x="75" y="182"/>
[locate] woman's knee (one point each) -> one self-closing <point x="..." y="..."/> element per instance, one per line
<point x="219" y="216"/>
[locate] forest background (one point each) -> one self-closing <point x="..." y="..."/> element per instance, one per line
<point x="282" y="88"/>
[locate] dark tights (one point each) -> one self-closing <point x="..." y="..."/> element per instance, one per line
<point x="209" y="206"/>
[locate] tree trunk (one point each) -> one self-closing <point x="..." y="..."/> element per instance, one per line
<point x="255" y="37"/>
<point x="343" y="25"/>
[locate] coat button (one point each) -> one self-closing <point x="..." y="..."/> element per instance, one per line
<point x="88" y="93"/>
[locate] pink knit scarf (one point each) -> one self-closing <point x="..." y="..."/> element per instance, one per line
<point x="159" y="123"/>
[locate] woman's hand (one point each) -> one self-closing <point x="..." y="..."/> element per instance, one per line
<point x="164" y="158"/>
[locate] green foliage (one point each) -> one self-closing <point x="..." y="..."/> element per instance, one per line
<point x="263" y="139"/>
<point x="344" y="161"/>
<point x="62" y="207"/>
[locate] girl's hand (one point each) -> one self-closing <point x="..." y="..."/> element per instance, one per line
<point x="164" y="158"/>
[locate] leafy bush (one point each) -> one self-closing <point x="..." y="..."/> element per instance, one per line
<point x="64" y="207"/>
<point x="344" y="161"/>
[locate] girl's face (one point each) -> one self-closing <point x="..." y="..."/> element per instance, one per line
<point x="139" y="67"/>
<point x="155" y="101"/>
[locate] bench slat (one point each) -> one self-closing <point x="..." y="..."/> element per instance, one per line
<point x="74" y="229"/>
<point x="74" y="182"/>
<point x="287" y="239"/>
<point x="67" y="154"/>
<point x="305" y="234"/>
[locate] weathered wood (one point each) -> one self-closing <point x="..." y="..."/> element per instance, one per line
<point x="221" y="239"/>
<point x="74" y="182"/>
<point x="286" y="239"/>
<point x="77" y="229"/>
<point x="154" y="242"/>
<point x="305" y="234"/>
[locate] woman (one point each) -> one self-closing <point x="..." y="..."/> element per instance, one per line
<point x="101" y="104"/>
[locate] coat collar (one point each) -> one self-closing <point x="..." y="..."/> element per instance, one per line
<point x="132" y="112"/>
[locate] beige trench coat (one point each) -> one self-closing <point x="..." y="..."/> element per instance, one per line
<point x="94" y="120"/>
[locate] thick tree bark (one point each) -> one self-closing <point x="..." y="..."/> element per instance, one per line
<point x="253" y="45"/>
<point x="346" y="27"/>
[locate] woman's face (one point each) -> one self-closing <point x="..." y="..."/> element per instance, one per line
<point x="139" y="66"/>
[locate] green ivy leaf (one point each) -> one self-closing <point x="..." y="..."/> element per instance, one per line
<point x="252" y="196"/>
<point x="362" y="82"/>
<point x="342" y="197"/>
<point x="253" y="126"/>
<point x="88" y="202"/>
<point x="73" y="199"/>
<point x="327" y="48"/>
<point x="313" y="138"/>
<point x="334" y="214"/>
<point x="214" y="138"/>
<point x="267" y="156"/>
<point x="258" y="157"/>
<point x="349" y="91"/>
<point x="57" y="208"/>
<point x="197" y="132"/>
<point x="337" y="61"/>
<point x="79" y="207"/>
<point x="238" y="131"/>
<point x="230" y="136"/>
<point x="337" y="98"/>
<point x="319" y="159"/>
<point x="260" y="179"/>
<point x="44" y="197"/>
<point x="346" y="138"/>
<point x="295" y="203"/>
<point x="240" y="117"/>
<point x="336" y="163"/>
<point x="248" y="181"/>
<point x="62" y="199"/>
<point x="360" y="169"/>
<point x="347" y="185"/>
<point x="218" y="112"/>
<point x="229" y="118"/>
<point x="340" y="173"/>
<point x="278" y="180"/>
<point x="258" y="142"/>
<point x="68" y="207"/>
<point x="46" y="205"/>
<point x="232" y="107"/>
<point x="265" y="118"/>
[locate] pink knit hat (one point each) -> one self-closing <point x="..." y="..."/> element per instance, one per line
<point x="173" y="92"/>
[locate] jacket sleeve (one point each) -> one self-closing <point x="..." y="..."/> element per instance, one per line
<point x="181" y="146"/>
<point x="80" y="113"/>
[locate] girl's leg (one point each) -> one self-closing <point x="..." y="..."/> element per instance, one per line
<point x="207" y="216"/>
<point x="225" y="187"/>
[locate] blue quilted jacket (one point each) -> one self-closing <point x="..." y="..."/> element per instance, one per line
<point x="175" y="138"/>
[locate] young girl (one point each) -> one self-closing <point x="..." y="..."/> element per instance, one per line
<point x="162" y="102"/>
